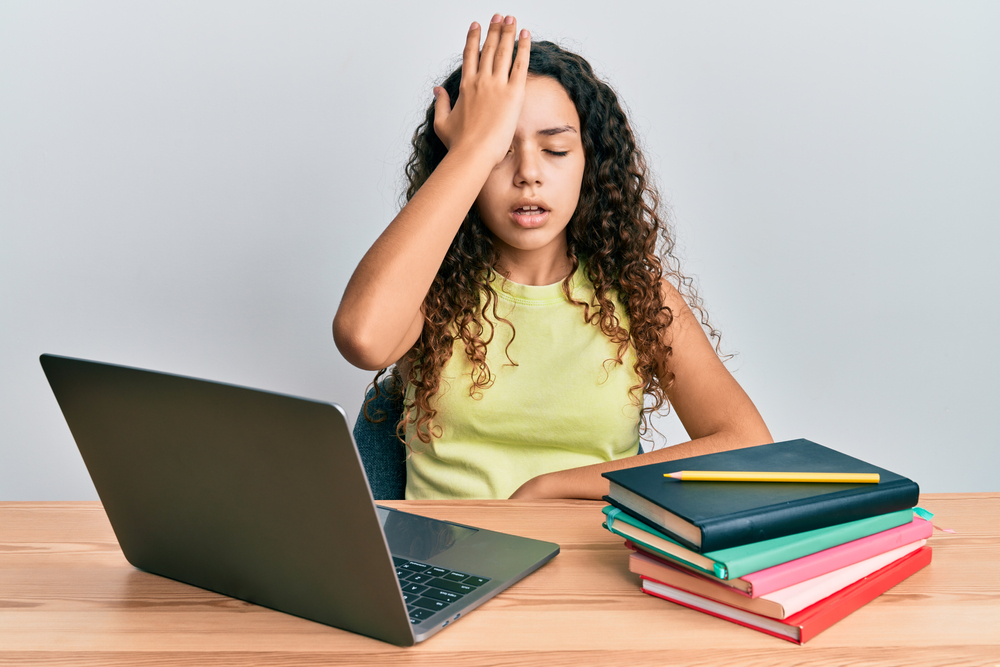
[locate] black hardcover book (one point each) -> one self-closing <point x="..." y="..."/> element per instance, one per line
<point x="707" y="516"/>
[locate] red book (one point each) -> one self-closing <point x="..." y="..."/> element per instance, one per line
<point x="811" y="621"/>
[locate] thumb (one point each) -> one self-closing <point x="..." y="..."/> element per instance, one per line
<point x="442" y="102"/>
<point x="442" y="109"/>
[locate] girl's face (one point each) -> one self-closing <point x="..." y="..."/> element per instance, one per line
<point x="531" y="194"/>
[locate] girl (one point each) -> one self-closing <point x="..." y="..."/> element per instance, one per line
<point x="520" y="295"/>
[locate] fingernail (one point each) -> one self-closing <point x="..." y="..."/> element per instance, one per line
<point x="509" y="20"/>
<point x="474" y="26"/>
<point x="496" y="18"/>
<point x="525" y="35"/>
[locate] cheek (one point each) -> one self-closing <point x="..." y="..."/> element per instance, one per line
<point x="574" y="181"/>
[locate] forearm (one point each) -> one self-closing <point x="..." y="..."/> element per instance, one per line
<point x="586" y="482"/>
<point x="384" y="295"/>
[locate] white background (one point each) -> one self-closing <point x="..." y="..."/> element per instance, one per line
<point x="187" y="186"/>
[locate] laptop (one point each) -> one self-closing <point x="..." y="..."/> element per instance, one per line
<point x="263" y="497"/>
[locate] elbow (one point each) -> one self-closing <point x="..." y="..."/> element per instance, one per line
<point x="747" y="426"/>
<point x="754" y="433"/>
<point x="356" y="347"/>
<point x="749" y="431"/>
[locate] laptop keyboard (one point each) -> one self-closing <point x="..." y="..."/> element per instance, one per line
<point x="428" y="589"/>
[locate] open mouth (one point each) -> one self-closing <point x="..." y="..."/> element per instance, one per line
<point x="529" y="216"/>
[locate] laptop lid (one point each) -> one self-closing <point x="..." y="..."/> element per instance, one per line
<point x="263" y="497"/>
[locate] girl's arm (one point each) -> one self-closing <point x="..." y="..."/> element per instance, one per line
<point x="380" y="318"/>
<point x="714" y="409"/>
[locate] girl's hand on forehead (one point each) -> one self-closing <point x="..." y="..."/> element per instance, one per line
<point x="491" y="92"/>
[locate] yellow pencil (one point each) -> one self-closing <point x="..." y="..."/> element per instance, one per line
<point x="731" y="476"/>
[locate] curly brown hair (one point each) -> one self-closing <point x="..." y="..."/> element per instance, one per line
<point x="619" y="229"/>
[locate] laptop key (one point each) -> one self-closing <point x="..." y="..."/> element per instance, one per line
<point x="433" y="605"/>
<point x="397" y="561"/>
<point x="453" y="586"/>
<point x="437" y="571"/>
<point x="438" y="594"/>
<point x="414" y="566"/>
<point x="476" y="581"/>
<point x="420" y="614"/>
<point x="418" y="578"/>
<point x="402" y="574"/>
<point x="414" y="588"/>
<point x="455" y="576"/>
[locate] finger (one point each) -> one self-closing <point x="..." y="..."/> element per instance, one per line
<point x="442" y="108"/>
<point x="501" y="60"/>
<point x="519" y="71"/>
<point x="442" y="103"/>
<point x="470" y="56"/>
<point x="490" y="45"/>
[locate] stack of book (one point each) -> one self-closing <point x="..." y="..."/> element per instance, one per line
<point x="788" y="559"/>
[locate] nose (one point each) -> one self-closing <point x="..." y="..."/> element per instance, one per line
<point x="528" y="167"/>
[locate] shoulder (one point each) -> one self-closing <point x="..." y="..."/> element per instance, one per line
<point x="682" y="315"/>
<point x="672" y="298"/>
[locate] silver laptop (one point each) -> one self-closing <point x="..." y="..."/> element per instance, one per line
<point x="263" y="497"/>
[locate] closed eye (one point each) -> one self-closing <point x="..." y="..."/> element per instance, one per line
<point x="557" y="153"/>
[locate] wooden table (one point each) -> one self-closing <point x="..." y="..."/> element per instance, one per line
<point x="67" y="596"/>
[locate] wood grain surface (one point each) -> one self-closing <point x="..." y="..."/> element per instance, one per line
<point x="68" y="597"/>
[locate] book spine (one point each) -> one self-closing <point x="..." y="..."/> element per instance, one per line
<point x="637" y="537"/>
<point x="687" y="544"/>
<point x="808" y="567"/>
<point x="797" y="517"/>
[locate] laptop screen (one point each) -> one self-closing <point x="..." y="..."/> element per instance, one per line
<point x="418" y="538"/>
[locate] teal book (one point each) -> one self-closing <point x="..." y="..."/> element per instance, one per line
<point x="736" y="561"/>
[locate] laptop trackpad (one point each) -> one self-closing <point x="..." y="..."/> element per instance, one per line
<point x="417" y="537"/>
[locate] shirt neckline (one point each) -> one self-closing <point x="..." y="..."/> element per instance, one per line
<point x="535" y="294"/>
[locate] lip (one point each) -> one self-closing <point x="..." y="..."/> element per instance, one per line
<point x="530" y="221"/>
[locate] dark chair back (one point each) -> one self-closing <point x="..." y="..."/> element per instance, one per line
<point x="382" y="453"/>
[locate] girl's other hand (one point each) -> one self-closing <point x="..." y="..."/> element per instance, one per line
<point x="491" y="92"/>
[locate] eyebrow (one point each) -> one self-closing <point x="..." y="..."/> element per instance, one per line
<point x="557" y="130"/>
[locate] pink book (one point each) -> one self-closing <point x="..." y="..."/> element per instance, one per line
<point x="777" y="604"/>
<point x="792" y="572"/>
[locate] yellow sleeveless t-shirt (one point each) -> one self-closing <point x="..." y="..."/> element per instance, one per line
<point x="562" y="406"/>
